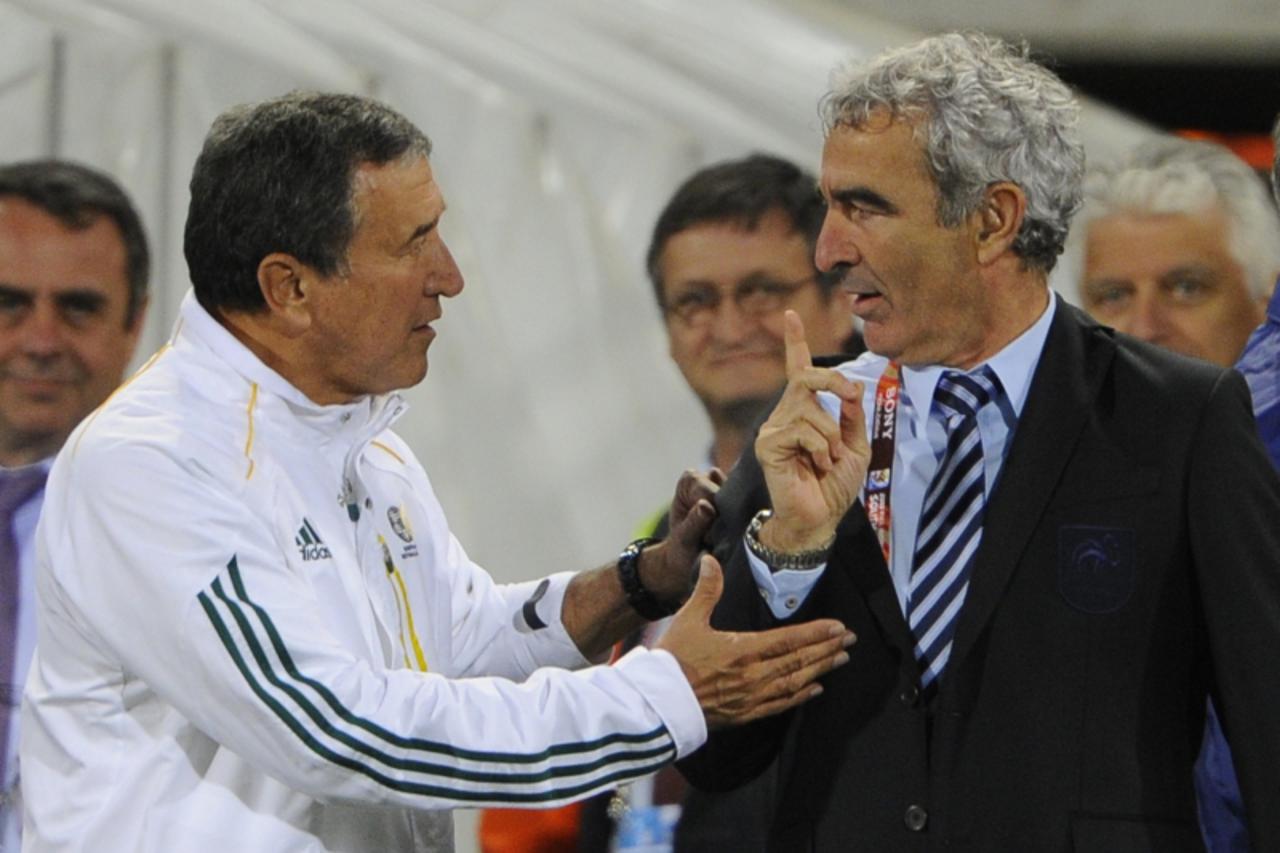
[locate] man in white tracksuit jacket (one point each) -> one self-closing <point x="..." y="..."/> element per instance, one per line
<point x="256" y="632"/>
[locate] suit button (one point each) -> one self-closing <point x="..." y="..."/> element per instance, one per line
<point x="909" y="695"/>
<point x="915" y="818"/>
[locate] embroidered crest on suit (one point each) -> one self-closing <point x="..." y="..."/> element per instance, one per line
<point x="1096" y="567"/>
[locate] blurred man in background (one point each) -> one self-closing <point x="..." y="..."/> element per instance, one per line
<point x="73" y="292"/>
<point x="730" y="252"/>
<point x="1181" y="248"/>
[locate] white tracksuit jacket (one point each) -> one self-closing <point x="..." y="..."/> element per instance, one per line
<point x="256" y="633"/>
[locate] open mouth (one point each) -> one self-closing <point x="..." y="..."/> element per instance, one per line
<point x="864" y="302"/>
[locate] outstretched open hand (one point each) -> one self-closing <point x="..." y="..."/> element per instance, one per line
<point x="739" y="677"/>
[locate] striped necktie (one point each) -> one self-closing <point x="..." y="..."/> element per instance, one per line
<point x="950" y="521"/>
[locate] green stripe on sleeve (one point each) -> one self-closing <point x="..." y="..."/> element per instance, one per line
<point x="651" y="759"/>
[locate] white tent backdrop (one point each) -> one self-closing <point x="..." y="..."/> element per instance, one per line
<point x="552" y="419"/>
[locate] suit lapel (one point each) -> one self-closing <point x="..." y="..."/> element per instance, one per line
<point x="857" y="552"/>
<point x="1071" y="369"/>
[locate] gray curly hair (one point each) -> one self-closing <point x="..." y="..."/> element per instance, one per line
<point x="984" y="112"/>
<point x="1172" y="175"/>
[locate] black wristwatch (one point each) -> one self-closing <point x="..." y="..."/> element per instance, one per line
<point x="642" y="601"/>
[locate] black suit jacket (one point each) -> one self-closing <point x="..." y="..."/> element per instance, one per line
<point x="1129" y="565"/>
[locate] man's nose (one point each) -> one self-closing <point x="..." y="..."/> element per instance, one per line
<point x="729" y="322"/>
<point x="42" y="332"/>
<point x="446" y="278"/>
<point x="834" y="246"/>
<point x="1148" y="320"/>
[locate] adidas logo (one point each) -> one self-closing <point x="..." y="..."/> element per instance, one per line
<point x="309" y="544"/>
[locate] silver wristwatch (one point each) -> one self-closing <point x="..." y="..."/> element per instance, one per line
<point x="779" y="560"/>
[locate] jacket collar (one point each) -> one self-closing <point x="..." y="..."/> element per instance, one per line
<point x="370" y="414"/>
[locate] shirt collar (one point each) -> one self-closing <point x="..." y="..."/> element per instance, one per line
<point x="1273" y="308"/>
<point x="1014" y="365"/>
<point x="43" y="464"/>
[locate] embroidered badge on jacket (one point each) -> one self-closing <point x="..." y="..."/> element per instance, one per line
<point x="1096" y="567"/>
<point x="400" y="526"/>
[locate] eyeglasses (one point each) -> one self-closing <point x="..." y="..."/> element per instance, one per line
<point x="754" y="296"/>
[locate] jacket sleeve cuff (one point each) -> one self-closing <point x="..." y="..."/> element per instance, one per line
<point x="657" y="676"/>
<point x="783" y="591"/>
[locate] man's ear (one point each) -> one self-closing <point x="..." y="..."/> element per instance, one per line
<point x="285" y="283"/>
<point x="999" y="218"/>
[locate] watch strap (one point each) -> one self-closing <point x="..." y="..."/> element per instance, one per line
<point x="781" y="560"/>
<point x="642" y="601"/>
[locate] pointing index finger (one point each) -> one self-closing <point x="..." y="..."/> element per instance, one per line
<point x="798" y="357"/>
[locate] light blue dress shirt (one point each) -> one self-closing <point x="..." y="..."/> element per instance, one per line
<point x="921" y="440"/>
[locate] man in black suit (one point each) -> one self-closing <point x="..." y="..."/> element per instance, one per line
<point x="1066" y="539"/>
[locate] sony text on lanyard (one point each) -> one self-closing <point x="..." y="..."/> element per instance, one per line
<point x="880" y="471"/>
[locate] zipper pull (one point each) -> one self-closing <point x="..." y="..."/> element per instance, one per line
<point x="348" y="497"/>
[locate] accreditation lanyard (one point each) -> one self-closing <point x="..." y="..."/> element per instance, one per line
<point x="880" y="472"/>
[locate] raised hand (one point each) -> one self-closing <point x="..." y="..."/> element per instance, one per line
<point x="739" y="677"/>
<point x="813" y="466"/>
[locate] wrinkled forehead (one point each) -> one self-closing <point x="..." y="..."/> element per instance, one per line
<point x="411" y="174"/>
<point x="31" y="234"/>
<point x="400" y="190"/>
<point x="875" y="151"/>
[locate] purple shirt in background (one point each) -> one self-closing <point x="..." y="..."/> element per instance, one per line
<point x="1260" y="366"/>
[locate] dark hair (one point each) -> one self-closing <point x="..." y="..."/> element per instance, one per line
<point x="76" y="195"/>
<point x="279" y="177"/>
<point x="741" y="192"/>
